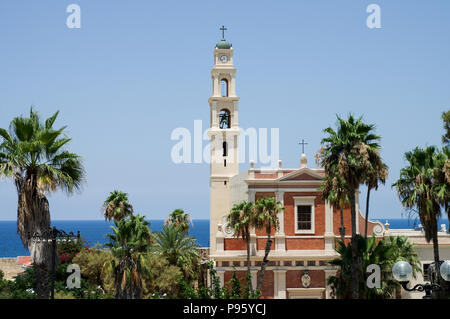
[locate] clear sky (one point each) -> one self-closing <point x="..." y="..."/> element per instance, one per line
<point x="136" y="70"/>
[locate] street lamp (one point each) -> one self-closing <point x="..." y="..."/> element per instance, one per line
<point x="402" y="272"/>
<point x="53" y="236"/>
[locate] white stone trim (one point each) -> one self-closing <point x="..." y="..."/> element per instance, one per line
<point x="279" y="284"/>
<point x="279" y="196"/>
<point x="291" y="190"/>
<point x="221" y="275"/>
<point x="305" y="200"/>
<point x="254" y="274"/>
<point x="305" y="293"/>
<point x="303" y="170"/>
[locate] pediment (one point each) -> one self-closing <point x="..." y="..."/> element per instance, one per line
<point x="303" y="174"/>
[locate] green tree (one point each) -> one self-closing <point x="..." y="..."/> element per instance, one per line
<point x="178" y="248"/>
<point x="266" y="210"/>
<point x="129" y="242"/>
<point x="370" y="251"/>
<point x="241" y="219"/>
<point x="377" y="172"/>
<point x="348" y="150"/>
<point x="446" y="137"/>
<point x="403" y="250"/>
<point x="236" y="288"/>
<point x="162" y="279"/>
<point x="423" y="188"/>
<point x="116" y="206"/>
<point x="92" y="262"/>
<point x="33" y="154"/>
<point x="334" y="190"/>
<point x="180" y="218"/>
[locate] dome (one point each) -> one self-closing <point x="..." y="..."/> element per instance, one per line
<point x="223" y="45"/>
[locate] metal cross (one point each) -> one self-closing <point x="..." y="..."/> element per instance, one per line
<point x="223" y="32"/>
<point x="303" y="143"/>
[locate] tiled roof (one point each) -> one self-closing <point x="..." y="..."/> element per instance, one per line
<point x="23" y="260"/>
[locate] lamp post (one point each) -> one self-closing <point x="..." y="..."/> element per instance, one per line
<point x="402" y="272"/>
<point x="53" y="236"/>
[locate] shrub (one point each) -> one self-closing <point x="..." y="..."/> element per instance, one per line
<point x="162" y="278"/>
<point x="92" y="263"/>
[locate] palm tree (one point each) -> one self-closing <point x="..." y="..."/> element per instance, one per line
<point x="422" y="187"/>
<point x="116" y="206"/>
<point x="370" y="252"/>
<point x="347" y="150"/>
<point x="446" y="137"/>
<point x="33" y="154"/>
<point x="376" y="172"/>
<point x="442" y="178"/>
<point x="241" y="219"/>
<point x="334" y="191"/>
<point x="180" y="218"/>
<point x="178" y="248"/>
<point x="129" y="243"/>
<point x="266" y="210"/>
<point x="403" y="250"/>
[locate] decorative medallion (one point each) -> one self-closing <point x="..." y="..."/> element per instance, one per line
<point x="306" y="280"/>
<point x="226" y="228"/>
<point x="378" y="230"/>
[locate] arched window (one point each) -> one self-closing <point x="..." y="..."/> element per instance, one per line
<point x="224" y="119"/>
<point x="224" y="87"/>
<point x="225" y="148"/>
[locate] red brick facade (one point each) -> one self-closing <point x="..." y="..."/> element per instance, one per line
<point x="294" y="254"/>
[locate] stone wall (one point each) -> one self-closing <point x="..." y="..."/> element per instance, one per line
<point x="10" y="267"/>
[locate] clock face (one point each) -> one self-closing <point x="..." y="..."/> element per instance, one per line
<point x="224" y="58"/>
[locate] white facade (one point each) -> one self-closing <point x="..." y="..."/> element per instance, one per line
<point x="425" y="253"/>
<point x="224" y="163"/>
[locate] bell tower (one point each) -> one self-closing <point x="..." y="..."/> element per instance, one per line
<point x="224" y="133"/>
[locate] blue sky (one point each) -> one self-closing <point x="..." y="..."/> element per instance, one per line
<point x="299" y="64"/>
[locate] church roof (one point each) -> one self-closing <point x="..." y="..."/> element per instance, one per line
<point x="223" y="44"/>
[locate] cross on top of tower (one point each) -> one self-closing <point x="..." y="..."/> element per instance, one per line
<point x="223" y="29"/>
<point x="303" y="143"/>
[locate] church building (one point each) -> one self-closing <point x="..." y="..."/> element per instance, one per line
<point x="309" y="226"/>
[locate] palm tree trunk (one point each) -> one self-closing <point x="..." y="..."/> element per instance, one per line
<point x="264" y="262"/>
<point x="355" y="257"/>
<point x="367" y="211"/>
<point x="436" y="260"/>
<point x="248" y="264"/>
<point x="342" y="230"/>
<point x="33" y="217"/>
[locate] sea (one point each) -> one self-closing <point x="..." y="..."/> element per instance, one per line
<point x="94" y="231"/>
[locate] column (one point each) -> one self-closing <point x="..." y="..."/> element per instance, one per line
<point x="221" y="275"/>
<point x="279" y="284"/>
<point x="220" y="239"/>
<point x="214" y="115"/>
<point x="254" y="274"/>
<point x="328" y="273"/>
<point x="253" y="246"/>
<point x="280" y="243"/>
<point x="329" y="234"/>
<point x="216" y="85"/>
<point x="232" y="92"/>
<point x="235" y="118"/>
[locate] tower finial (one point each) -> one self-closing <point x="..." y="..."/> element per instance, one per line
<point x="223" y="29"/>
